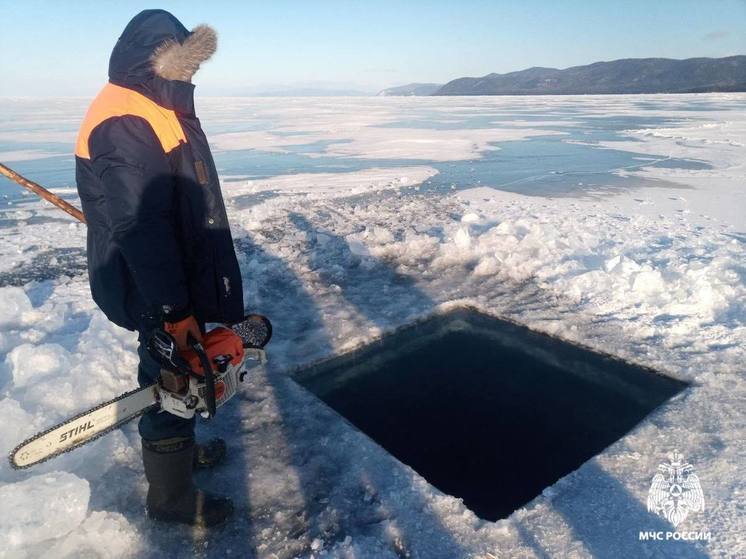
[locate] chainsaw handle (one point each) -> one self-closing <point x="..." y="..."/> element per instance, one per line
<point x="163" y="348"/>
<point x="209" y="376"/>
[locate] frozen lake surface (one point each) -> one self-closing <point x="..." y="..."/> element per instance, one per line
<point x="554" y="151"/>
<point x="615" y="222"/>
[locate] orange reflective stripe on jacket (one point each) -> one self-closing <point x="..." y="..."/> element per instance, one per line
<point x="113" y="101"/>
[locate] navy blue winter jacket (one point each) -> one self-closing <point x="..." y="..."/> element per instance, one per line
<point x="158" y="235"/>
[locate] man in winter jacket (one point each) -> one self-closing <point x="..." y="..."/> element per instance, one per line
<point x="160" y="252"/>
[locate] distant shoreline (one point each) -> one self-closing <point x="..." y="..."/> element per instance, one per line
<point x="628" y="76"/>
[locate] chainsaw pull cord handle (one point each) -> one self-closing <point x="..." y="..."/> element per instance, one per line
<point x="209" y="376"/>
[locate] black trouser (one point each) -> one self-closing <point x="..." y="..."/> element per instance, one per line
<point x="156" y="424"/>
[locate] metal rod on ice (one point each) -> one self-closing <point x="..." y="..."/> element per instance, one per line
<point x="42" y="192"/>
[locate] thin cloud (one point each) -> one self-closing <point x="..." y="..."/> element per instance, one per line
<point x="716" y="35"/>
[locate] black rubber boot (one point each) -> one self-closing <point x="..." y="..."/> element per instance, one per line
<point x="172" y="496"/>
<point x="209" y="454"/>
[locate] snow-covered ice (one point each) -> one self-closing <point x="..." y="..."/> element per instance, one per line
<point x="64" y="497"/>
<point x="370" y="142"/>
<point x="319" y="186"/>
<point x="27" y="155"/>
<point x="644" y="261"/>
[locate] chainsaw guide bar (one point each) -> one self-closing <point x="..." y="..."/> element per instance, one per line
<point x="255" y="332"/>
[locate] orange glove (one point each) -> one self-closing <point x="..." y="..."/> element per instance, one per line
<point x="181" y="329"/>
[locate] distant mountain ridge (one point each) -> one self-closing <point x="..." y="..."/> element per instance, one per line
<point x="628" y="75"/>
<point x="411" y="89"/>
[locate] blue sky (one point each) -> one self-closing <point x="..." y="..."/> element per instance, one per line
<point x="62" y="47"/>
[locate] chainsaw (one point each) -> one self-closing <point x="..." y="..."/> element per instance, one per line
<point x="196" y="380"/>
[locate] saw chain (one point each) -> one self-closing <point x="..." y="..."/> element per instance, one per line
<point x="181" y="390"/>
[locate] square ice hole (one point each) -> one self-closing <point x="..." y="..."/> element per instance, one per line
<point x="484" y="409"/>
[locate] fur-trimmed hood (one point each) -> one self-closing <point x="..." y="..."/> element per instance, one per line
<point x="173" y="60"/>
<point x="157" y="56"/>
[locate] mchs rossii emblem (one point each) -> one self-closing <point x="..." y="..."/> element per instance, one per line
<point x="675" y="491"/>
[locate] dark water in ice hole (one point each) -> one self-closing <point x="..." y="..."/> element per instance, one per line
<point x="486" y="410"/>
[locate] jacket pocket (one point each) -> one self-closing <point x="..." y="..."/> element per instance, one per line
<point x="200" y="170"/>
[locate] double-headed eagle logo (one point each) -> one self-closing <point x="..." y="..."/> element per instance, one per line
<point x="675" y="490"/>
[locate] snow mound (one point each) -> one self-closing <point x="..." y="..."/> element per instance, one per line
<point x="15" y="304"/>
<point x="16" y="423"/>
<point x="29" y="364"/>
<point x="104" y="535"/>
<point x="24" y="522"/>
